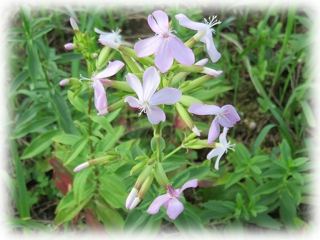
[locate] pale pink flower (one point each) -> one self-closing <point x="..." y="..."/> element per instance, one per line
<point x="226" y="116"/>
<point x="148" y="99"/>
<point x="165" y="45"/>
<point x="171" y="200"/>
<point x="207" y="38"/>
<point x="100" y="98"/>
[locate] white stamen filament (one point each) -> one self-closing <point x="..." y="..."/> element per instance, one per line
<point x="144" y="107"/>
<point x="212" y="22"/>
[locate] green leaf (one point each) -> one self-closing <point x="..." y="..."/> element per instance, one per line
<point x="63" y="113"/>
<point x="111" y="218"/>
<point x="308" y="113"/>
<point x="267" y="188"/>
<point x="154" y="144"/>
<point x="285" y="151"/>
<point x="18" y="81"/>
<point x="33" y="61"/>
<point x="255" y="169"/>
<point x="77" y="102"/>
<point x="40" y="144"/>
<point x="288" y="210"/>
<point x="30" y="114"/>
<point x="68" y="57"/>
<point x="264" y="220"/>
<point x="79" y="183"/>
<point x="43" y="31"/>
<point x="274" y="173"/>
<point x="22" y="204"/>
<point x="32" y="127"/>
<point x="69" y="213"/>
<point x="113" y="190"/>
<point x="13" y="223"/>
<point x="105" y="124"/>
<point x="77" y="149"/>
<point x="299" y="161"/>
<point x="109" y="141"/>
<point x="262" y="134"/>
<point x="66" y="139"/>
<point x="219" y="209"/>
<point x="234" y="178"/>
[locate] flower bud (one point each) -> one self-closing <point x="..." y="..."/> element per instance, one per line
<point x="74" y="24"/>
<point x="188" y="100"/>
<point x="186" y="118"/>
<point x="69" y="46"/>
<point x="143" y="176"/>
<point x="211" y="72"/>
<point x="103" y="56"/>
<point x="95" y="55"/>
<point x="64" y="82"/>
<point x="101" y="160"/>
<point x="138" y="166"/>
<point x="144" y="188"/>
<point x="160" y="175"/>
<point x="131" y="197"/>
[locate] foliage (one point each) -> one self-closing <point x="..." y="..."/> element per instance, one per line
<point x="264" y="183"/>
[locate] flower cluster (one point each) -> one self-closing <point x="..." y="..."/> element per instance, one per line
<point x="156" y="69"/>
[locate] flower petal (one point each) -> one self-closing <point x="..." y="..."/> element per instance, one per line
<point x="151" y="81"/>
<point x="214" y="130"/>
<point x="192" y="183"/>
<point x="231" y="113"/>
<point x="164" y="58"/>
<point x="211" y="48"/>
<point x="166" y="96"/>
<point x="100" y="97"/>
<point x="181" y="52"/>
<point x="158" y="21"/>
<point x="203" y="109"/>
<point x="132" y="101"/>
<point x="186" y="22"/>
<point x="175" y="207"/>
<point x="156" y="115"/>
<point x="148" y="46"/>
<point x="223" y="137"/>
<point x="111" y="69"/>
<point x="215" y="152"/>
<point x="135" y="84"/>
<point x="157" y="203"/>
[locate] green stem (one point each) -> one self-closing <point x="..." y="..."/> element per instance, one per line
<point x="171" y="153"/>
<point x="89" y="108"/>
<point x="158" y="140"/>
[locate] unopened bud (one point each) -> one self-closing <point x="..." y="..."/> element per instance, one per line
<point x="138" y="166"/>
<point x="143" y="176"/>
<point x="69" y="46"/>
<point x="81" y="167"/>
<point x="211" y="72"/>
<point x="95" y="55"/>
<point x="64" y="82"/>
<point x="188" y="100"/>
<point x="160" y="175"/>
<point x="186" y="118"/>
<point x="74" y="24"/>
<point x="103" y="56"/>
<point x="131" y="197"/>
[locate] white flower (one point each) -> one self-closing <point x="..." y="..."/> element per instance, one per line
<point x="221" y="147"/>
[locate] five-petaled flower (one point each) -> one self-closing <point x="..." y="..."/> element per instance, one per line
<point x="171" y="200"/>
<point x="221" y="147"/>
<point x="113" y="36"/>
<point x="226" y="116"/>
<point x="148" y="100"/>
<point x="97" y="81"/>
<point x="165" y="45"/>
<point x="207" y="38"/>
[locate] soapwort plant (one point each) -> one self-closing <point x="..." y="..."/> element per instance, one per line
<point x="153" y="84"/>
